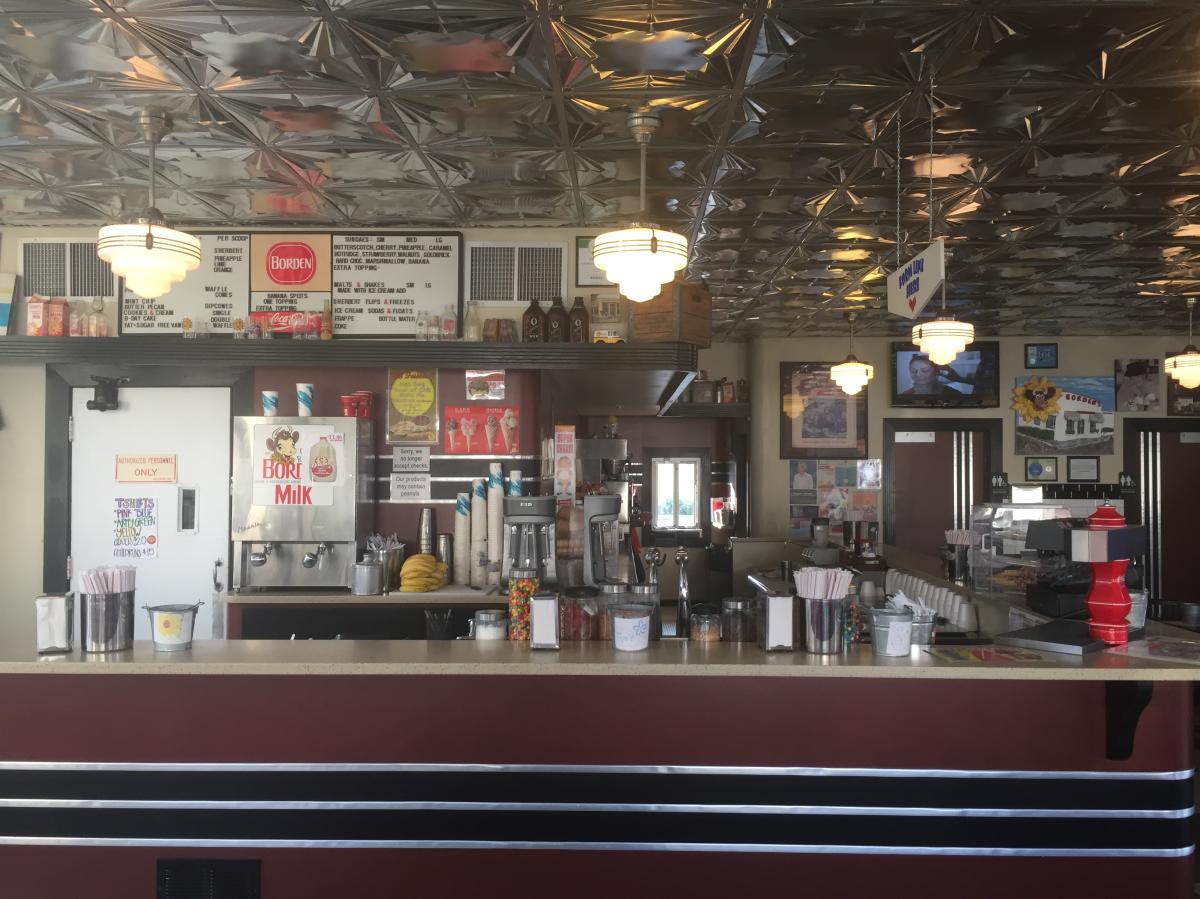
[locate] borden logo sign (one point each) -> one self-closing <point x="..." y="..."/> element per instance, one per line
<point x="291" y="263"/>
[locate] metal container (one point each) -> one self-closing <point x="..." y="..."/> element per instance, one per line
<point x="425" y="532"/>
<point x="445" y="553"/>
<point x="822" y="625"/>
<point x="391" y="560"/>
<point x="368" y="579"/>
<point x="171" y="626"/>
<point x="891" y="632"/>
<point x="106" y="621"/>
<point x="922" y="628"/>
<point x="56" y="622"/>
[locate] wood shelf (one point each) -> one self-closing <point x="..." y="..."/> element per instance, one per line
<point x="224" y="351"/>
<point x="708" y="410"/>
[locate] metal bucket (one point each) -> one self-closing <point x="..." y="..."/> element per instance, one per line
<point x="391" y="560"/>
<point x="106" y="621"/>
<point x="171" y="626"/>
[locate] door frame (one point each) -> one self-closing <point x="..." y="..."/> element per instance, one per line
<point x="993" y="429"/>
<point x="61" y="379"/>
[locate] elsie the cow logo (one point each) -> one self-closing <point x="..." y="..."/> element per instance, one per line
<point x="291" y="263"/>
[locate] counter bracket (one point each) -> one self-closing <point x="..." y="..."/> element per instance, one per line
<point x="1124" y="702"/>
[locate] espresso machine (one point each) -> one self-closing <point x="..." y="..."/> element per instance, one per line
<point x="529" y="536"/>
<point x="602" y="562"/>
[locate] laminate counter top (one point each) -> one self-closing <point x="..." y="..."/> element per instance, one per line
<point x="666" y="658"/>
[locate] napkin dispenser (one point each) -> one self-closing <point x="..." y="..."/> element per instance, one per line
<point x="543" y="621"/>
<point x="55" y="622"/>
<point x="776" y="625"/>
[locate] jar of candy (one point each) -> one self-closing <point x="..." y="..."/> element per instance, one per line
<point x="522" y="584"/>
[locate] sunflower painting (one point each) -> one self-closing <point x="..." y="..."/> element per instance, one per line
<point x="1064" y="414"/>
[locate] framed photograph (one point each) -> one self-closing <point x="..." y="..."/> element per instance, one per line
<point x="1041" y="468"/>
<point x="1041" y="355"/>
<point x="817" y="420"/>
<point x="1137" y="385"/>
<point x="1061" y="414"/>
<point x="586" y="273"/>
<point x="1181" y="400"/>
<point x="1083" y="469"/>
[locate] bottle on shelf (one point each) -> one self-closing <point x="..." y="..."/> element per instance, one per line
<point x="76" y="321"/>
<point x="579" y="324"/>
<point x="327" y="321"/>
<point x="433" y="327"/>
<point x="533" y="324"/>
<point x="556" y="322"/>
<point x="449" y="323"/>
<point x="422" y="326"/>
<point x="473" y="323"/>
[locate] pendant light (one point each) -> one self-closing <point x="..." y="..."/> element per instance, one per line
<point x="640" y="259"/>
<point x="945" y="337"/>
<point x="850" y="374"/>
<point x="1184" y="368"/>
<point x="151" y="257"/>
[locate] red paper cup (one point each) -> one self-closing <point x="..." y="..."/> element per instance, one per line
<point x="349" y="405"/>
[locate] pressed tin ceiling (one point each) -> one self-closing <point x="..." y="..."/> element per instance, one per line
<point x="1066" y="157"/>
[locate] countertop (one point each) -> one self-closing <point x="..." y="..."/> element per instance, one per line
<point x="666" y="658"/>
<point x="447" y="596"/>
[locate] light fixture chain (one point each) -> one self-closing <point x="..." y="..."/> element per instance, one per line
<point x="642" y="214"/>
<point x="899" y="238"/>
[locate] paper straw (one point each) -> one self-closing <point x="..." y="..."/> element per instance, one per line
<point x="479" y="533"/>
<point x="495" y="520"/>
<point x="462" y="539"/>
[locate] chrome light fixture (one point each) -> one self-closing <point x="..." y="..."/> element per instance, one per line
<point x="640" y="259"/>
<point x="151" y="257"/>
<point x="945" y="337"/>
<point x="850" y="374"/>
<point x="1184" y="368"/>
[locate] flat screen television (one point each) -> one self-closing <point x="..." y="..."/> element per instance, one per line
<point x="971" y="381"/>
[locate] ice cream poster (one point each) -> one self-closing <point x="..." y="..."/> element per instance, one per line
<point x="475" y="430"/>
<point x="297" y="465"/>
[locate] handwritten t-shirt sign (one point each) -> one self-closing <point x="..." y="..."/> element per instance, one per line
<point x="146" y="468"/>
<point x="135" y="527"/>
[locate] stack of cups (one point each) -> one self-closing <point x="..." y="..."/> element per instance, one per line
<point x="479" y="534"/>
<point x="495" y="521"/>
<point x="462" y="539"/>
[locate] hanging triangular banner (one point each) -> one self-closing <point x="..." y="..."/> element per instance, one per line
<point x="912" y="285"/>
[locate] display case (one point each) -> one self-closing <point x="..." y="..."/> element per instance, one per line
<point x="1000" y="561"/>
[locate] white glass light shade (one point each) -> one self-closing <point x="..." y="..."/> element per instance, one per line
<point x="943" y="338"/>
<point x="640" y="260"/>
<point x="1184" y="368"/>
<point x="851" y="375"/>
<point x="148" y="271"/>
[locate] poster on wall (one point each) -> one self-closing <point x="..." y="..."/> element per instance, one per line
<point x="816" y="419"/>
<point x="212" y="299"/>
<point x="412" y="406"/>
<point x="383" y="282"/>
<point x="289" y="274"/>
<point x="472" y="430"/>
<point x="1058" y="415"/>
<point x="298" y="465"/>
<point x="1137" y="382"/>
<point x="1182" y="400"/>
<point x="482" y="386"/>
<point x="870" y="474"/>
<point x="803" y="480"/>
<point x="135" y="527"/>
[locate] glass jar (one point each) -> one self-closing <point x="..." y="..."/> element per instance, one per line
<point x="644" y="593"/>
<point x="522" y="584"/>
<point x="737" y="621"/>
<point x="630" y="626"/>
<point x="491" y="624"/>
<point x="581" y="614"/>
<point x="704" y="627"/>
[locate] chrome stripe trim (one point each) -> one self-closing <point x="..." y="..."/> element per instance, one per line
<point x="774" y="848"/>
<point x="956" y="480"/>
<point x="1158" y="528"/>
<point x="468" y="767"/>
<point x="675" y="808"/>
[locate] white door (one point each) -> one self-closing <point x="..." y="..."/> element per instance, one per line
<point x="173" y="533"/>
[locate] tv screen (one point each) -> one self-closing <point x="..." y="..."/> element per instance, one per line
<point x="971" y="380"/>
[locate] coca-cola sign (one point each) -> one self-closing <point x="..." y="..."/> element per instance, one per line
<point x="291" y="263"/>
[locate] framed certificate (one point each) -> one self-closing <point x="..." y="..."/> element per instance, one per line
<point x="586" y="273"/>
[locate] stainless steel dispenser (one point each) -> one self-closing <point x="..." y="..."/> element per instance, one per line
<point x="303" y="501"/>
<point x="602" y="563"/>
<point x="529" y="536"/>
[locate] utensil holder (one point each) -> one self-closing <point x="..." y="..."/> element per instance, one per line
<point x="106" y="621"/>
<point x="822" y="625"/>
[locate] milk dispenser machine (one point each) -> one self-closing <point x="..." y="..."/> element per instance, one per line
<point x="303" y="501"/>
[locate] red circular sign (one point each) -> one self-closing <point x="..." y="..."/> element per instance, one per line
<point x="291" y="263"/>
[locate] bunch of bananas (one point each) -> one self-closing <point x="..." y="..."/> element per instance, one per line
<point x="422" y="574"/>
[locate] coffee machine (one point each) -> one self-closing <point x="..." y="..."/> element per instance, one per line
<point x="602" y="540"/>
<point x="529" y="535"/>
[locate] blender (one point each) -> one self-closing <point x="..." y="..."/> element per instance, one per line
<point x="529" y="535"/>
<point x="602" y="540"/>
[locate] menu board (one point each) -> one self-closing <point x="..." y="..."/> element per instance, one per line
<point x="382" y="281"/>
<point x="212" y="296"/>
<point x="376" y="283"/>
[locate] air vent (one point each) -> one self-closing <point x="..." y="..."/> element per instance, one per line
<point x="515" y="273"/>
<point x="60" y="268"/>
<point x="204" y="878"/>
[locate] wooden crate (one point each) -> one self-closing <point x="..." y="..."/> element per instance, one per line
<point x="681" y="312"/>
